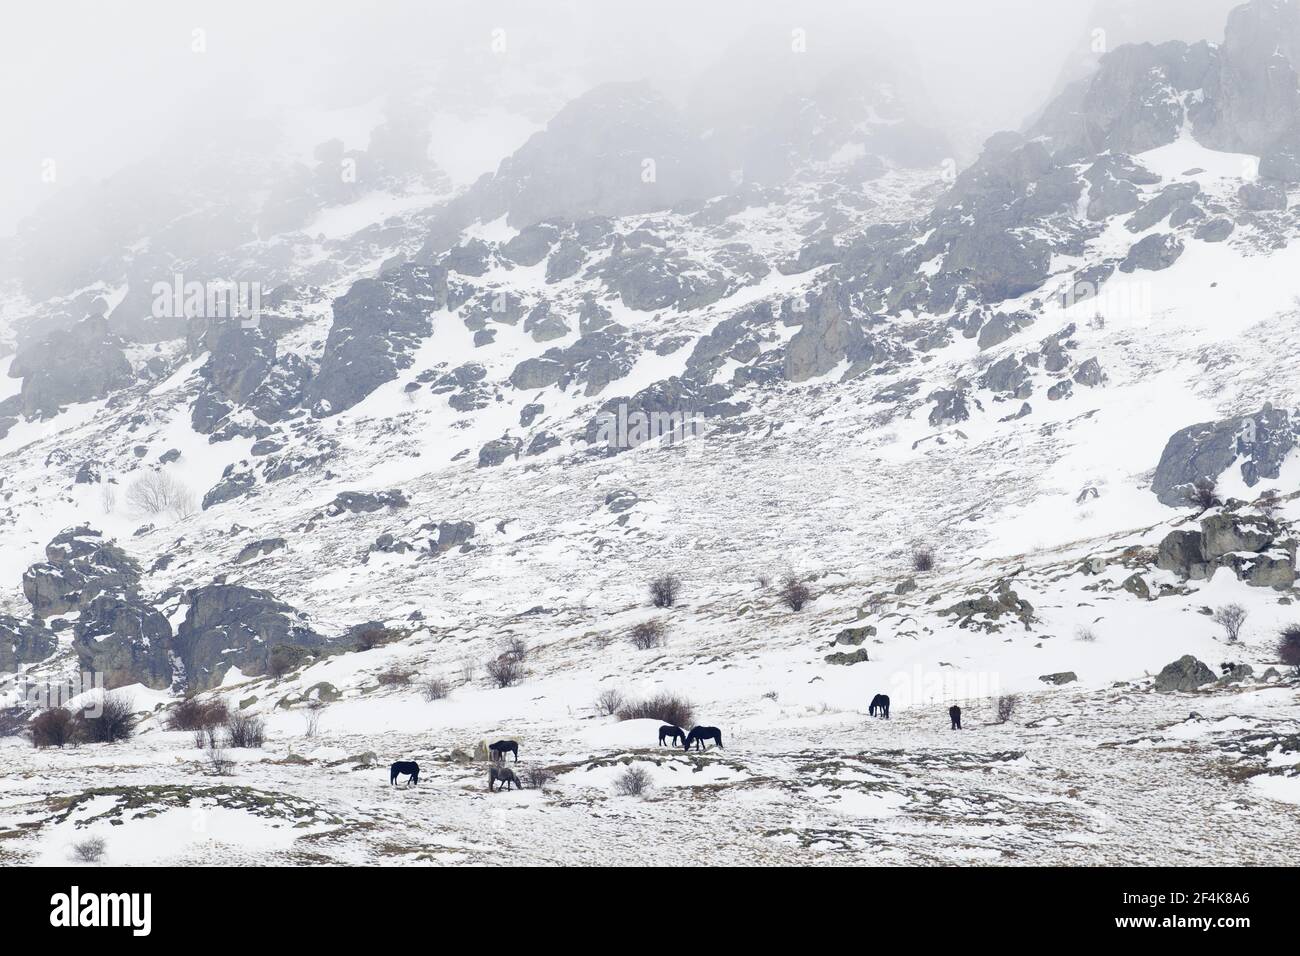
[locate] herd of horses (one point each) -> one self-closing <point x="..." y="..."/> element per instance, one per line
<point x="499" y="773"/>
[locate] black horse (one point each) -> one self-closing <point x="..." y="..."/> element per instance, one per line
<point x="879" y="703"/>
<point x="698" y="735"/>
<point x="954" y="712"/>
<point x="671" y="732"/>
<point x="505" y="776"/>
<point x="499" y="749"/>
<point x="407" y="767"/>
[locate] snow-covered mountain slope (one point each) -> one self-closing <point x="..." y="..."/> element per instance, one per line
<point x="850" y="357"/>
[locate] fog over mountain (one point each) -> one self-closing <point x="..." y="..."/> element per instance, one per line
<point x="382" y="387"/>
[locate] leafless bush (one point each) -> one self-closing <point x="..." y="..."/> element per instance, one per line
<point x="647" y="634"/>
<point x="666" y="707"/>
<point x="632" y="782"/>
<point x="373" y="637"/>
<point x="219" y="762"/>
<point x="663" y="590"/>
<point x="200" y="739"/>
<point x="53" y="727"/>
<point x="922" y="560"/>
<point x="536" y="778"/>
<point x="1230" y="617"/>
<point x="114" y="723"/>
<point x="89" y="850"/>
<point x="158" y="493"/>
<point x="1085" y="634"/>
<point x="314" y="712"/>
<point x="504" y="671"/>
<point x="515" y="648"/>
<point x="794" y="594"/>
<point x="395" y="677"/>
<point x="1201" y="494"/>
<point x="195" y="714"/>
<point x="1007" y="706"/>
<point x="1288" y="646"/>
<point x="245" y="730"/>
<point x="764" y="581"/>
<point x="107" y="496"/>
<point x="608" y="702"/>
<point x="468" y="669"/>
<point x="435" y="688"/>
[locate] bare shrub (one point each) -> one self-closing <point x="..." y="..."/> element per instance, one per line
<point x="664" y="590"/>
<point x="608" y="702"/>
<point x="195" y="714"/>
<point x="395" y="677"/>
<point x="1085" y="634"/>
<point x="219" y="762"/>
<point x="158" y="493"/>
<point x="663" y="706"/>
<point x="286" y="658"/>
<point x="504" y="671"/>
<point x="647" y="634"/>
<point x="1230" y="617"/>
<point x="1200" y="494"/>
<point x="245" y="730"/>
<point x="764" y="581"/>
<point x="200" y="739"/>
<point x="794" y="594"/>
<point x="515" y="648"/>
<point x="311" y="717"/>
<point x="536" y="778"/>
<point x="468" y="669"/>
<point x="89" y="850"/>
<point x="1007" y="706"/>
<point x="373" y="637"/>
<point x="922" y="560"/>
<point x="1288" y="646"/>
<point x="53" y="727"/>
<point x="114" y="723"/>
<point x="632" y="782"/>
<point x="435" y="688"/>
<point x="1269" y="503"/>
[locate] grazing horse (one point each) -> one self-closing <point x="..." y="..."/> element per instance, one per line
<point x="879" y="703"/>
<point x="404" y="766"/>
<point x="505" y="775"/>
<point x="698" y="735"/>
<point x="499" y="749"/>
<point x="954" y="712"/>
<point x="671" y="732"/>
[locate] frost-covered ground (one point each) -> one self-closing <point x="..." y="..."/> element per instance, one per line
<point x="1117" y="776"/>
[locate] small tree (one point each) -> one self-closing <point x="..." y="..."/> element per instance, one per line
<point x="114" y="723"/>
<point x="1230" y="617"/>
<point x="504" y="671"/>
<point x="647" y="634"/>
<point x="53" y="727"/>
<point x="245" y="730"/>
<point x="315" y="711"/>
<point x="1007" y="706"/>
<point x="794" y="594"/>
<point x="633" y="782"/>
<point x="435" y="688"/>
<point x="1288" y="646"/>
<point x="608" y="702"/>
<point x="1201" y="494"/>
<point x="922" y="560"/>
<point x="158" y="493"/>
<point x="89" y="850"/>
<point x="663" y="590"/>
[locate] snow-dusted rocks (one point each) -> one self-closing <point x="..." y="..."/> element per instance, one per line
<point x="79" y="564"/>
<point x="1256" y="549"/>
<point x="1261" y="440"/>
<point x="79" y="364"/>
<point x="1183" y="676"/>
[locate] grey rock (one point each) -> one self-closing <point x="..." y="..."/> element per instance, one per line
<point x="1183" y="676"/>
<point x="1154" y="252"/>
<point x="1062" y="677"/>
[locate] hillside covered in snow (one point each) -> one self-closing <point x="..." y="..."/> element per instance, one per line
<point x="385" y="463"/>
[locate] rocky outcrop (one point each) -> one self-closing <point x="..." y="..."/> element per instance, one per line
<point x="123" y="639"/>
<point x="1262" y="440"/>
<point x="987" y="611"/>
<point x="79" y="564"/>
<point x="365" y="502"/>
<point x="377" y="326"/>
<point x="82" y="363"/>
<point x="1154" y="252"/>
<point x="1183" y="676"/>
<point x="229" y="626"/>
<point x="24" y="642"/>
<point x="1257" y="549"/>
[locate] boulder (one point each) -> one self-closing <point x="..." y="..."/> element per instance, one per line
<point x="1183" y="676"/>
<point x="1062" y="677"/>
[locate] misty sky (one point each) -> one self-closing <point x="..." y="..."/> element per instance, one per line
<point x="97" y="84"/>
